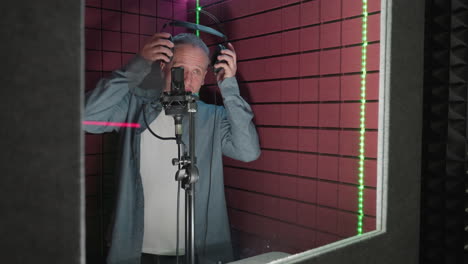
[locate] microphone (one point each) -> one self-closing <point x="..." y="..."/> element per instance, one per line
<point x="177" y="100"/>
<point x="177" y="81"/>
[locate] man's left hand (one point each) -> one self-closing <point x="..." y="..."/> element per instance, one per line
<point x="229" y="67"/>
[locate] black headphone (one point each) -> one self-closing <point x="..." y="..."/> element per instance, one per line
<point x="193" y="26"/>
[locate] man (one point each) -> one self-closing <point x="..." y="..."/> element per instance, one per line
<point x="143" y="172"/>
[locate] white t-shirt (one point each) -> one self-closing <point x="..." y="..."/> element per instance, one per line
<point x="160" y="190"/>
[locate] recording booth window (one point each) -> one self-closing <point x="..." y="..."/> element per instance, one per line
<point x="310" y="71"/>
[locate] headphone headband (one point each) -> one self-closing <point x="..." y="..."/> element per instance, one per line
<point x="194" y="26"/>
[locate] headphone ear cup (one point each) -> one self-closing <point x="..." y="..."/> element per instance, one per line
<point x="172" y="49"/>
<point x="214" y="59"/>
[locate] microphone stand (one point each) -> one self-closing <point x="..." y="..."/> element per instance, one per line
<point x="177" y="103"/>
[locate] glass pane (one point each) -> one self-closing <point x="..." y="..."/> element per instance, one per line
<point x="310" y="72"/>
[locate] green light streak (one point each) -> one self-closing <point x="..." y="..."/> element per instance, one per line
<point x="362" y="130"/>
<point x="197" y="16"/>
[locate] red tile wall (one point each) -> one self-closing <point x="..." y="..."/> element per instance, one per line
<point x="114" y="32"/>
<point x="299" y="66"/>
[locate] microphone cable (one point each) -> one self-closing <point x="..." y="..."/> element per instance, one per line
<point x="178" y="209"/>
<point x="150" y="130"/>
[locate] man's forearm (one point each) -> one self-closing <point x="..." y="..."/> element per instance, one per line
<point x="240" y="139"/>
<point x="109" y="100"/>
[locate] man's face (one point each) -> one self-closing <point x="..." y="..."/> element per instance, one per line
<point x="195" y="63"/>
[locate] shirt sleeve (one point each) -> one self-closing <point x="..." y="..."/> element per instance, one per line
<point x="239" y="136"/>
<point x="109" y="101"/>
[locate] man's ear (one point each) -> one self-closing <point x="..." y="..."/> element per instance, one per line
<point x="162" y="65"/>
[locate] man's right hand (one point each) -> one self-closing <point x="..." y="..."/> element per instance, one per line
<point x="158" y="47"/>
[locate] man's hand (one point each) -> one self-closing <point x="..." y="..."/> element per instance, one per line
<point x="229" y="67"/>
<point x="158" y="47"/>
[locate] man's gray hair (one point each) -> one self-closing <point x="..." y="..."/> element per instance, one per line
<point x="192" y="39"/>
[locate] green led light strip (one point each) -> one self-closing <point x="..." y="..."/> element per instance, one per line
<point x="197" y="16"/>
<point x="362" y="130"/>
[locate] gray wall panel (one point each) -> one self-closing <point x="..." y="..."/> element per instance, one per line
<point x="41" y="139"/>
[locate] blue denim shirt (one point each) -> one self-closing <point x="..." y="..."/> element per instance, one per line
<point x="220" y="130"/>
